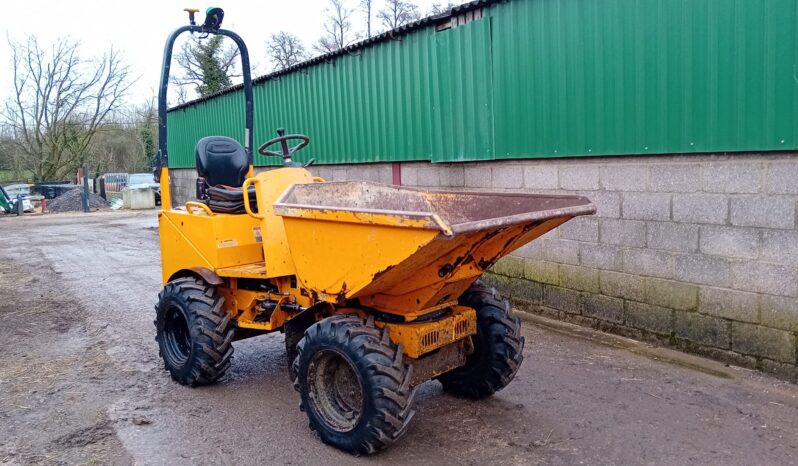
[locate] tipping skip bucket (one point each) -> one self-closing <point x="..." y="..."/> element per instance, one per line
<point x="404" y="250"/>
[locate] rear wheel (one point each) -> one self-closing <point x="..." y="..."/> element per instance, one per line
<point x="498" y="347"/>
<point x="193" y="331"/>
<point x="354" y="385"/>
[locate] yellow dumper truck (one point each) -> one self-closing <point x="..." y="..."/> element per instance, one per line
<point x="375" y="287"/>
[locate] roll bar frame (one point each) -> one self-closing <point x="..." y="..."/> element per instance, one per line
<point x="162" y="158"/>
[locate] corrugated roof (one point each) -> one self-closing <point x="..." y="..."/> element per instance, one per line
<point x="349" y="49"/>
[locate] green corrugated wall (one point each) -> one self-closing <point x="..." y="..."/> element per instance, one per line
<point x="539" y="78"/>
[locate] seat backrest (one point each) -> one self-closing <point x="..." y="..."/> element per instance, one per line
<point x="221" y="160"/>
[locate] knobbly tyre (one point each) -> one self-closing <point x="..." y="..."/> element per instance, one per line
<point x="375" y="287"/>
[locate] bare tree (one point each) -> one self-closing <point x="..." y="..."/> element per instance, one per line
<point x="397" y="13"/>
<point x="116" y="148"/>
<point x="6" y="148"/>
<point x="59" y="103"/>
<point x="367" y="6"/>
<point x="439" y="8"/>
<point x="207" y="65"/>
<point x="337" y="29"/>
<point x="182" y="95"/>
<point x="128" y="143"/>
<point x="285" y="50"/>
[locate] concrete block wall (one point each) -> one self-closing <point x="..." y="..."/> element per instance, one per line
<point x="183" y="183"/>
<point x="698" y="252"/>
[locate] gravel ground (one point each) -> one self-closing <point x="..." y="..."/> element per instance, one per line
<point x="81" y="381"/>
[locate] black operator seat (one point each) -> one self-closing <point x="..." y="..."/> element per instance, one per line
<point x="221" y="169"/>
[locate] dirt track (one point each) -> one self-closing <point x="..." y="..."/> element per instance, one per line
<point x="81" y="381"/>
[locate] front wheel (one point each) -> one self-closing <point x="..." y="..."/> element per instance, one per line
<point x="354" y="385"/>
<point x="498" y="347"/>
<point x="193" y="331"/>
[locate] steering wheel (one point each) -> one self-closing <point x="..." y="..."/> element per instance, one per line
<point x="285" y="151"/>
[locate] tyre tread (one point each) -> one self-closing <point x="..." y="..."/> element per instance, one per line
<point x="212" y="348"/>
<point x="504" y="357"/>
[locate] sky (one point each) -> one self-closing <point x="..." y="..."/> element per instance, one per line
<point x="139" y="29"/>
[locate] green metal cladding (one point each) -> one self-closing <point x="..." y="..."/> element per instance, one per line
<point x="538" y="78"/>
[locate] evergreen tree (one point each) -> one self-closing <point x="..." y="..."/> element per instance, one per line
<point x="207" y="64"/>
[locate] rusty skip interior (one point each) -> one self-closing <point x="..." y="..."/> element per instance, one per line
<point x="461" y="211"/>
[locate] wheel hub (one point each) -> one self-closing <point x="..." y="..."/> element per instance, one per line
<point x="177" y="338"/>
<point x="335" y="390"/>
